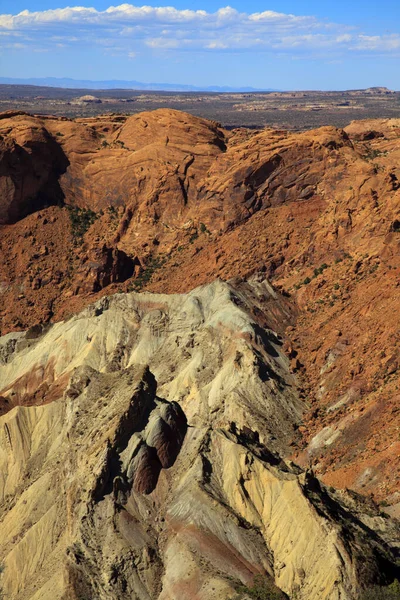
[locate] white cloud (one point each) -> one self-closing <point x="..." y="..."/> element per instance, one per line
<point x="216" y="46"/>
<point x="346" y="37"/>
<point x="170" y="28"/>
<point x="161" y="43"/>
<point x="382" y="43"/>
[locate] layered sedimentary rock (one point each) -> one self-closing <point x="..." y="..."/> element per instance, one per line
<point x="143" y="454"/>
<point x="165" y="201"/>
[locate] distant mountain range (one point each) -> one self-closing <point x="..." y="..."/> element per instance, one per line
<point x="113" y="84"/>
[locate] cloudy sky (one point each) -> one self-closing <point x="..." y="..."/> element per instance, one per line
<point x="265" y="44"/>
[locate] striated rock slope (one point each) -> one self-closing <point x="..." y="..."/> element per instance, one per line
<point x="141" y="456"/>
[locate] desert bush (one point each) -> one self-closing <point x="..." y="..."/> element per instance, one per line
<point x="203" y="228"/>
<point x="145" y="276"/>
<point x="390" y="592"/>
<point x="373" y="153"/>
<point x="81" y="219"/>
<point x="263" y="588"/>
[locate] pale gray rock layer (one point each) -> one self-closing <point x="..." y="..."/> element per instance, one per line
<point x="143" y="455"/>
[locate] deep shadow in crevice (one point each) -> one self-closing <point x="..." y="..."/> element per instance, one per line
<point x="35" y="173"/>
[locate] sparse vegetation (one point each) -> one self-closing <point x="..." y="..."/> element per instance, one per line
<point x="145" y="276"/>
<point x="373" y="153"/>
<point x="373" y="268"/>
<point x="321" y="269"/>
<point x="263" y="588"/>
<point x="114" y="216"/>
<point x="203" y="229"/>
<point x="231" y="110"/>
<point x="390" y="592"/>
<point x="307" y="280"/>
<point x="81" y="219"/>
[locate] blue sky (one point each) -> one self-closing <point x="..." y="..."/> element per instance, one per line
<point x="265" y="44"/>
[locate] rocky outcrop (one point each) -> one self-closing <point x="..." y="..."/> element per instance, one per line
<point x="104" y="266"/>
<point x="88" y="99"/>
<point x="31" y="163"/>
<point x="169" y="480"/>
<point x="268" y="170"/>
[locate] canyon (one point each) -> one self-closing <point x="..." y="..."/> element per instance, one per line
<point x="199" y="357"/>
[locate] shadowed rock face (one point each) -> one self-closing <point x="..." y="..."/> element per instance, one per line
<point x="169" y="481"/>
<point x="148" y="439"/>
<point x="31" y="164"/>
<point x="104" y="266"/>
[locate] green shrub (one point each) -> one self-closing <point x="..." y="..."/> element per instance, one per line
<point x="320" y="269"/>
<point x="372" y="153"/>
<point x="113" y="214"/>
<point x="81" y="219"/>
<point x="390" y="592"/>
<point x="263" y="588"/>
<point x="203" y="228"/>
<point x="145" y="276"/>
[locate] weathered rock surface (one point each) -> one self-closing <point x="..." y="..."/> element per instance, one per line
<point x="167" y="481"/>
<point x="31" y="163"/>
<point x="164" y="201"/>
<point x="102" y="267"/>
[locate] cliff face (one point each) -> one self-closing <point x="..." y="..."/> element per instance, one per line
<point x="169" y="480"/>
